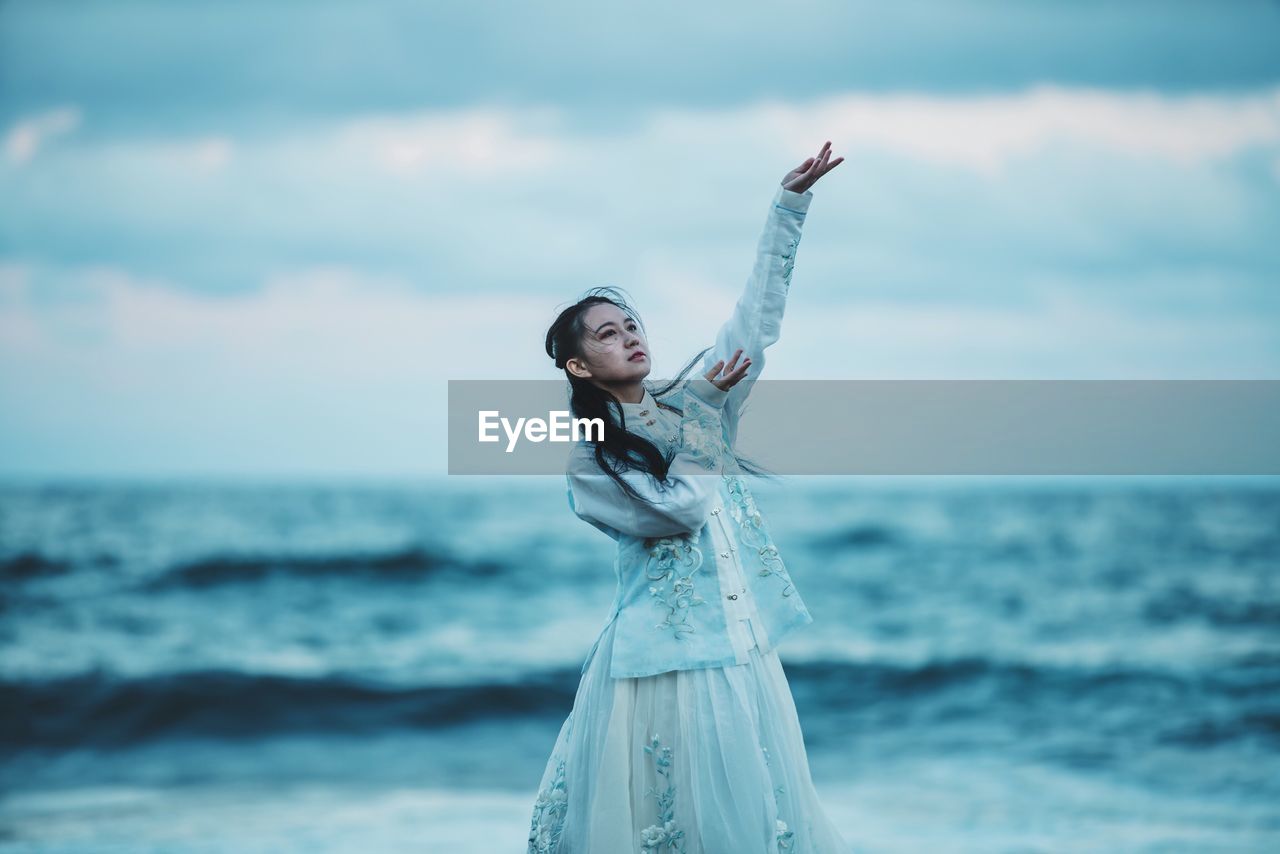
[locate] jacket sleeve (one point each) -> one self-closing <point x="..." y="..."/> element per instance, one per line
<point x="678" y="505"/>
<point x="756" y="321"/>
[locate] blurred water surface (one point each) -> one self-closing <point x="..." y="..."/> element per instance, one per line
<point x="1039" y="665"/>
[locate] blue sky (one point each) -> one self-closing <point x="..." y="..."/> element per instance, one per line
<point x="258" y="238"/>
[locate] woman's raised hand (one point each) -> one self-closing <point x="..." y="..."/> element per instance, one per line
<point x="732" y="374"/>
<point x="807" y="173"/>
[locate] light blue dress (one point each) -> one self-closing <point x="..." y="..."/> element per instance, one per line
<point x="691" y="757"/>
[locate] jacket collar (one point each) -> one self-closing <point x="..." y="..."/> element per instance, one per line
<point x="638" y="413"/>
<point x="651" y="420"/>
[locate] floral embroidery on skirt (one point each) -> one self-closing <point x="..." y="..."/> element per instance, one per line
<point x="548" y="814"/>
<point x="730" y="742"/>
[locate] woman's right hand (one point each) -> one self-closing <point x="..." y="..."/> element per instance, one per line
<point x="731" y="375"/>
<point x="801" y="178"/>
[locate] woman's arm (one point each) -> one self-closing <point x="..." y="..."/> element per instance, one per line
<point x="756" y="321"/>
<point x="678" y="505"/>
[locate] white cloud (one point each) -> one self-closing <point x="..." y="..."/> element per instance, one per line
<point x="329" y="370"/>
<point x="327" y="326"/>
<point x="1062" y="335"/>
<point x="983" y="133"/>
<point x="322" y="370"/>
<point x="210" y="154"/>
<point x="483" y="142"/>
<point x="500" y="194"/>
<point x="339" y="362"/>
<point x="26" y="137"/>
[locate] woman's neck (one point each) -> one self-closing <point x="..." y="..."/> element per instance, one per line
<point x="631" y="392"/>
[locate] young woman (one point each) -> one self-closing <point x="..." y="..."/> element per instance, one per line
<point x="683" y="734"/>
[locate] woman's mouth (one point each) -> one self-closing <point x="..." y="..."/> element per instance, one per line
<point x="639" y="355"/>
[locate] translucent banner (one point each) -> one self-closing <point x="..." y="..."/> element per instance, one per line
<point x="877" y="427"/>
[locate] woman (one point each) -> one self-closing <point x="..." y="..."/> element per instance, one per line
<point x="683" y="734"/>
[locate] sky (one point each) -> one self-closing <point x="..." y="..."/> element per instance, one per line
<point x="257" y="239"/>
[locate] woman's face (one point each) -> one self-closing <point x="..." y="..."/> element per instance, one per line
<point x="614" y="348"/>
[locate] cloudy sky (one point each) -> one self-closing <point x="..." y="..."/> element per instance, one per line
<point x="257" y="239"/>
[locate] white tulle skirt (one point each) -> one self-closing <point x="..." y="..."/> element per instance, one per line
<point x="705" y="761"/>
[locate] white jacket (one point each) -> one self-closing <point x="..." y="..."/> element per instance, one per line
<point x="699" y="578"/>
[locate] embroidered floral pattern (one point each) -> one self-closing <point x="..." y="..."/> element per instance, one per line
<point x="751" y="524"/>
<point x="664" y="835"/>
<point x="700" y="432"/>
<point x="784" y="836"/>
<point x="674" y="561"/>
<point x="548" y="814"/>
<point x="789" y="261"/>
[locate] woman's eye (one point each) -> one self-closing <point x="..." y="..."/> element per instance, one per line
<point x="609" y="332"/>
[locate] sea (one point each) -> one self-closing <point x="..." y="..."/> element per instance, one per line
<point x="1003" y="664"/>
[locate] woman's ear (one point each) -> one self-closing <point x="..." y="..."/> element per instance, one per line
<point x="578" y="368"/>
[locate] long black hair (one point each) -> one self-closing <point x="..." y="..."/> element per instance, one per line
<point x="621" y="449"/>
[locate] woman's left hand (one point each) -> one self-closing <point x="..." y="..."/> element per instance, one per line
<point x="731" y="374"/>
<point x="807" y="173"/>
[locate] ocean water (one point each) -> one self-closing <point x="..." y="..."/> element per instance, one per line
<point x="1015" y="665"/>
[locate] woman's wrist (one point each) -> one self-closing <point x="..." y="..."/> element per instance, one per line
<point x="707" y="391"/>
<point x="793" y="201"/>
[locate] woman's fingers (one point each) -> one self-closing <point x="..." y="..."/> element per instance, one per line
<point x="822" y="157"/>
<point x="734" y="367"/>
<point x="825" y="163"/>
<point x="731" y="374"/>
